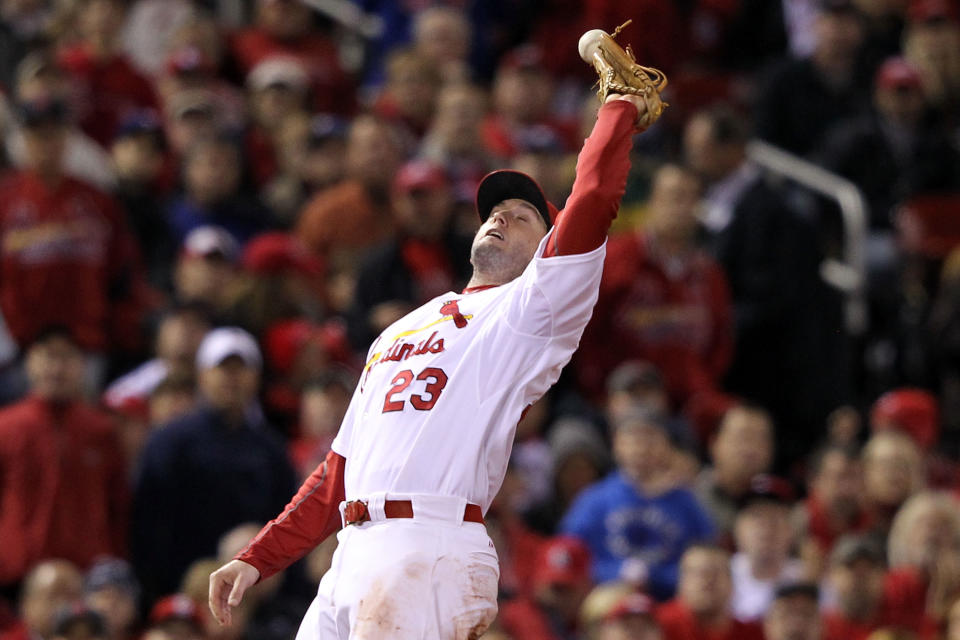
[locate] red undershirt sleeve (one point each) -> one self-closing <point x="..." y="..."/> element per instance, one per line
<point x="312" y="515"/>
<point x="602" y="168"/>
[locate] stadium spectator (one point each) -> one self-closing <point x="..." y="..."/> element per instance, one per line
<point x="923" y="552"/>
<point x="286" y="27"/>
<point x="174" y="397"/>
<point x="64" y="488"/>
<point x="283" y="281"/>
<point x="107" y="86"/>
<point x="893" y="470"/>
<point x="833" y="507"/>
<point x="176" y="617"/>
<point x="179" y="333"/>
<point x="804" y="97"/>
<point x="761" y="243"/>
<point x="50" y="586"/>
<point x="741" y="449"/>
<point x="855" y="578"/>
<point x="213" y="193"/>
<point x="41" y="77"/>
<point x="212" y="469"/>
<point x="375" y="150"/>
<point x="907" y="151"/>
<point x="310" y="152"/>
<point x="443" y="35"/>
<point x="111" y="590"/>
<point x="144" y="177"/>
<point x="579" y="458"/>
<point x="190" y="115"/>
<point x="523" y="94"/>
<point x="77" y="622"/>
<point x="662" y="299"/>
<point x="931" y="41"/>
<point x="635" y="521"/>
<point x="426" y="258"/>
<point x="794" y="614"/>
<point x="701" y="609"/>
<point x="615" y="611"/>
<point x="764" y="539"/>
<point x="206" y="272"/>
<point x="323" y="404"/>
<point x="408" y="97"/>
<point x="277" y="88"/>
<point x="453" y="140"/>
<point x="67" y="257"/>
<point x="561" y="582"/>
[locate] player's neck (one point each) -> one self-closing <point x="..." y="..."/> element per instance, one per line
<point x="482" y="281"/>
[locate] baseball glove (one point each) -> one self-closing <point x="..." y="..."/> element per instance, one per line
<point x="620" y="73"/>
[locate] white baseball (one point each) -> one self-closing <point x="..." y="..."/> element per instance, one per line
<point x="589" y="42"/>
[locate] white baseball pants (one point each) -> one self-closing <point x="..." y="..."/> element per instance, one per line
<point x="430" y="577"/>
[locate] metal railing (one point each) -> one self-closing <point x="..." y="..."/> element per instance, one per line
<point x="850" y="274"/>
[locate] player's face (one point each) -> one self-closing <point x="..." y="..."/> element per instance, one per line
<point x="506" y="242"/>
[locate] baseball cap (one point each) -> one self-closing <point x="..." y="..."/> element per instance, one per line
<point x="224" y="342"/>
<point x="913" y="411"/>
<point x="141" y="122"/>
<point x="768" y="488"/>
<point x="277" y="252"/>
<point x="897" y="73"/>
<point x="176" y="607"/>
<point x="564" y="560"/>
<point x="790" y="589"/>
<point x="507" y="184"/>
<point x="42" y="110"/>
<point x="850" y="548"/>
<point x="420" y="174"/>
<point x="210" y="241"/>
<point x="65" y="620"/>
<point x="932" y="10"/>
<point x="631" y="604"/>
<point x="278" y="71"/>
<point x="111" y="572"/>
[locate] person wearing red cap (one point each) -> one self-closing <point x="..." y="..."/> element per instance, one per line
<point x="427" y="257"/>
<point x="176" y="617"/>
<point x="896" y="150"/>
<point x="625" y="615"/>
<point x="561" y="582"/>
<point x="426" y="440"/>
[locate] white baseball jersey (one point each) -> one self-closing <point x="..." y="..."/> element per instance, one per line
<point x="445" y="386"/>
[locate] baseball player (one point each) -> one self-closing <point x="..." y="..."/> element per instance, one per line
<point x="424" y="445"/>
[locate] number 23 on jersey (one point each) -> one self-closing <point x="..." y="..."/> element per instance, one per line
<point x="396" y="399"/>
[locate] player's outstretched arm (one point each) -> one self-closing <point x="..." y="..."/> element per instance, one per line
<point x="227" y="586"/>
<point x="312" y="515"/>
<point x="602" y="168"/>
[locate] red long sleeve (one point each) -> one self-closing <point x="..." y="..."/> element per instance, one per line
<point x="312" y="515"/>
<point x="601" y="180"/>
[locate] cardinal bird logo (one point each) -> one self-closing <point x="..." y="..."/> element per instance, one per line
<point x="452" y="309"/>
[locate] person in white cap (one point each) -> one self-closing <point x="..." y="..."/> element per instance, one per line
<point x="424" y="446"/>
<point x="210" y="470"/>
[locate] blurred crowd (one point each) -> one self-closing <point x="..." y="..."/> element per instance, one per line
<point x="209" y="208"/>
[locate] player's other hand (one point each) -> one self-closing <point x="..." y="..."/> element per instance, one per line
<point x="227" y="586"/>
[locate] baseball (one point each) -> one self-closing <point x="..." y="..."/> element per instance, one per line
<point x="589" y="42"/>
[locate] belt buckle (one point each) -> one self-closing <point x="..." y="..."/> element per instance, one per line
<point x="355" y="512"/>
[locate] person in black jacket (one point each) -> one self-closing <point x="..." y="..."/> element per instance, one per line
<point x="209" y="471"/>
<point x="425" y="259"/>
<point x="788" y="332"/>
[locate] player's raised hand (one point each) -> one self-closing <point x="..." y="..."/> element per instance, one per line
<point x="227" y="586"/>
